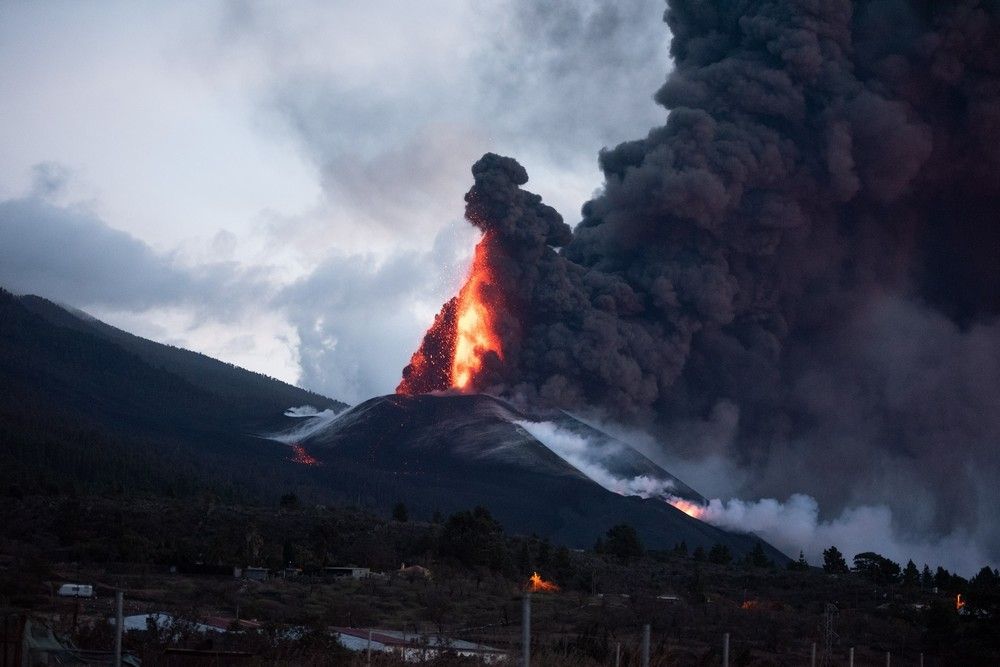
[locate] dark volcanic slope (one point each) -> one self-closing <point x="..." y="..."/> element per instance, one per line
<point x="255" y="399"/>
<point x="86" y="407"/>
<point x="452" y="452"/>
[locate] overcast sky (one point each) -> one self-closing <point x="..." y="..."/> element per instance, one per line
<point x="280" y="186"/>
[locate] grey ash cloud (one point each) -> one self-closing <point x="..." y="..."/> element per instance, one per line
<point x="68" y="252"/>
<point x="808" y="244"/>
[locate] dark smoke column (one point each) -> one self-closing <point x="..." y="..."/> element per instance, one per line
<point x="797" y="271"/>
<point x="518" y="231"/>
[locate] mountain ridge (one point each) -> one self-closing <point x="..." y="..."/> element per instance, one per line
<point x="86" y="408"/>
<point x="444" y="453"/>
<point x="81" y="412"/>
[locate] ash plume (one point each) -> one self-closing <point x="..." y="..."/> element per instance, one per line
<point x="809" y="244"/>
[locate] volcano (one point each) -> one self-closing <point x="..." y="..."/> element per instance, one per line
<point x="451" y="452"/>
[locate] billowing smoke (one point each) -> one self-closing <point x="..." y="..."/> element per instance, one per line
<point x="793" y="526"/>
<point x="518" y="230"/>
<point x="805" y="252"/>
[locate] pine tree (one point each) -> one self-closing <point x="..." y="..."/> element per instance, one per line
<point x="942" y="579"/>
<point x="800" y="565"/>
<point x="544" y="553"/>
<point x="720" y="555"/>
<point x="757" y="557"/>
<point x="926" y="578"/>
<point x="623" y="541"/>
<point x="834" y="562"/>
<point x="399" y="513"/>
<point x="524" y="559"/>
<point x="911" y="575"/>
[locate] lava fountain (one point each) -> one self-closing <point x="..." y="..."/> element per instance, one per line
<point x="464" y="335"/>
<point x="475" y="343"/>
<point x="475" y="333"/>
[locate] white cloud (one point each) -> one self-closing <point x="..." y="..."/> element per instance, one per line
<point x="218" y="156"/>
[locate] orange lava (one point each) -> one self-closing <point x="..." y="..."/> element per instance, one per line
<point x="475" y="334"/>
<point x="464" y="333"/>
<point x="538" y="585"/>
<point x="693" y="510"/>
<point x="959" y="602"/>
<point x="300" y="455"/>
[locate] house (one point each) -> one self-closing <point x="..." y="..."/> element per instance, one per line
<point x="347" y="572"/>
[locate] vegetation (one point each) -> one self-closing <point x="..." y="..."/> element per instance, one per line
<point x="477" y="574"/>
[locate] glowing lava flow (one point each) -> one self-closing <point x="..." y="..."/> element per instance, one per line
<point x="300" y="455"/>
<point x="538" y="585"/>
<point x="474" y="327"/>
<point x="691" y="509"/>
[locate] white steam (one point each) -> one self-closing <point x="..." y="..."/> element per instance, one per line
<point x="312" y="421"/>
<point x="591" y="457"/>
<point x="301" y="412"/>
<point x="792" y="526"/>
<point x="795" y="525"/>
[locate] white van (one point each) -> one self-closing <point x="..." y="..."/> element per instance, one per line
<point x="76" y="591"/>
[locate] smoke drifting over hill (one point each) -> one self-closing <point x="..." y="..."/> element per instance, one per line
<point x="798" y="271"/>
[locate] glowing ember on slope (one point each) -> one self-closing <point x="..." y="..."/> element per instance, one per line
<point x="959" y="602"/>
<point x="538" y="585"/>
<point x="300" y="455"/>
<point x="691" y="509"/>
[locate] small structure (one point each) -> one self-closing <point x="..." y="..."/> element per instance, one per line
<point x="255" y="573"/>
<point x="76" y="591"/>
<point x="412" y="572"/>
<point x="347" y="572"/>
<point x="415" y="648"/>
<point x="162" y="621"/>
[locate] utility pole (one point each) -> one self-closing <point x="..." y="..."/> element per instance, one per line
<point x="812" y="656"/>
<point x="618" y="655"/>
<point x="119" y="622"/>
<point x="645" y="645"/>
<point x="850" y="659"/>
<point x="526" y="630"/>
<point x="826" y="660"/>
<point x="725" y="650"/>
